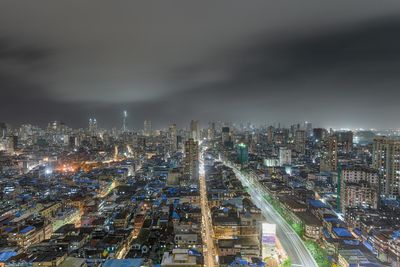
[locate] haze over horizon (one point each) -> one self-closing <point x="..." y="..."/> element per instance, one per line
<point x="335" y="64"/>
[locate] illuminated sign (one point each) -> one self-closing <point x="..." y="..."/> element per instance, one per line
<point x="268" y="234"/>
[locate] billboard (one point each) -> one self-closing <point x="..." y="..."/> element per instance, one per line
<point x="268" y="234"/>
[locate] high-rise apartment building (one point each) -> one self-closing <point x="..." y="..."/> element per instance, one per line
<point x="147" y="130"/>
<point x="300" y="141"/>
<point x="191" y="160"/>
<point x="12" y="143"/>
<point x="3" y="130"/>
<point x="360" y="194"/>
<point x="319" y="134"/>
<point x="285" y="156"/>
<point x="357" y="174"/>
<point x="211" y="131"/>
<point x="124" y="118"/>
<point x="173" y="139"/>
<point x="226" y="136"/>
<point x="386" y="159"/>
<point x="242" y="153"/>
<point x="270" y="134"/>
<point x="92" y="126"/>
<point x="345" y="141"/>
<point x="359" y="187"/>
<point x="194" y="130"/>
<point x="329" y="160"/>
<point x="308" y="128"/>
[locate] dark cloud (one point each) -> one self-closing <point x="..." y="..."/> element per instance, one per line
<point x="335" y="63"/>
<point x="18" y="65"/>
<point x="348" y="76"/>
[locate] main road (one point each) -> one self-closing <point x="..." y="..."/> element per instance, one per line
<point x="290" y="241"/>
<point x="207" y="231"/>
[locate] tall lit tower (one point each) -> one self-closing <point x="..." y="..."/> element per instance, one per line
<point x="385" y="159"/>
<point x="194" y="130"/>
<point x="191" y="159"/>
<point x="125" y="116"/>
<point x="147" y="128"/>
<point x="92" y="126"/>
<point x="173" y="141"/>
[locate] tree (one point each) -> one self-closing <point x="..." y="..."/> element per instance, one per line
<point x="286" y="263"/>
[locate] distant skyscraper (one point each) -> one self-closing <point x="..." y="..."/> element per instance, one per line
<point x="285" y="156"/>
<point x="147" y="130"/>
<point x="211" y="131"/>
<point x="92" y="126"/>
<point x="242" y="153"/>
<point x="293" y="129"/>
<point x="386" y="158"/>
<point x="56" y="127"/>
<point x="71" y="141"/>
<point x="300" y="141"/>
<point x="124" y="117"/>
<point x="3" y="130"/>
<point x="12" y="143"/>
<point x="319" y="134"/>
<point x="173" y="138"/>
<point x="270" y="134"/>
<point x="308" y="128"/>
<point x="191" y="160"/>
<point x="364" y="137"/>
<point x="226" y="136"/>
<point x="194" y="130"/>
<point x="345" y="141"/>
<point x="329" y="161"/>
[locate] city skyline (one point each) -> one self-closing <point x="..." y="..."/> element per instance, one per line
<point x="206" y="133"/>
<point x="265" y="62"/>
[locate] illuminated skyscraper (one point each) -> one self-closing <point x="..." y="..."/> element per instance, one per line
<point x="285" y="156"/>
<point x="124" y="117"/>
<point x="319" y="134"/>
<point x="242" y="153"/>
<point x="211" y="131"/>
<point x="359" y="186"/>
<point x="12" y="143"/>
<point x="92" y="126"/>
<point x="358" y="195"/>
<point x="270" y="134"/>
<point x="191" y="160"/>
<point x="300" y="141"/>
<point x="226" y="136"/>
<point x="329" y="161"/>
<point x="173" y="139"/>
<point x="194" y="130"/>
<point x="345" y="141"/>
<point x="308" y="128"/>
<point x="3" y="130"/>
<point x="386" y="159"/>
<point x="147" y="130"/>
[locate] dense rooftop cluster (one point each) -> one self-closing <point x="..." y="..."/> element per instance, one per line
<point x="173" y="197"/>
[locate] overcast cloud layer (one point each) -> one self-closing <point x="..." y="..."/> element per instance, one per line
<point x="335" y="63"/>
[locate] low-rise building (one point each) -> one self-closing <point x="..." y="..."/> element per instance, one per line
<point x="181" y="257"/>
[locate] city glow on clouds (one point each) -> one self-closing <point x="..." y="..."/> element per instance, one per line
<point x="152" y="58"/>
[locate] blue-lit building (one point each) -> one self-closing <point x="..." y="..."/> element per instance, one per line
<point x="242" y="153"/>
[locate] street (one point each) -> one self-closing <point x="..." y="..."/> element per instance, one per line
<point x="290" y="241"/>
<point x="209" y="249"/>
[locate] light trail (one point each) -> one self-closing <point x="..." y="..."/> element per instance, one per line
<point x="291" y="242"/>
<point x="208" y="242"/>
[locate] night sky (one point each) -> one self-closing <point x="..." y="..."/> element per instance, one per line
<point x="335" y="63"/>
